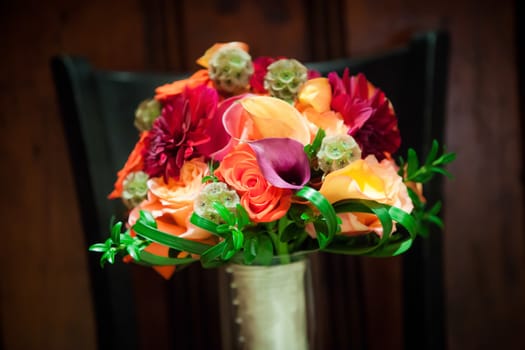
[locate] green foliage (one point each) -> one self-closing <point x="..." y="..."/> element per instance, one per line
<point x="423" y="217"/>
<point x="231" y="231"/>
<point x="119" y="244"/>
<point x="412" y="171"/>
<point x="371" y="244"/>
<point x="312" y="149"/>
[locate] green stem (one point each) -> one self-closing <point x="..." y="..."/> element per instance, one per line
<point x="281" y="248"/>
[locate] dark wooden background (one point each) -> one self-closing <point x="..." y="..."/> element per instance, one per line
<point x="44" y="296"/>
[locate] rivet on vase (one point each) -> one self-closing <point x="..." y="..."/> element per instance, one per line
<point x="238" y="320"/>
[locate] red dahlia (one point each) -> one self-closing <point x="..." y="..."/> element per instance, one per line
<point x="187" y="122"/>
<point x="367" y="112"/>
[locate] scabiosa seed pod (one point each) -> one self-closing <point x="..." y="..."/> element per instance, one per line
<point x="135" y="188"/>
<point x="284" y="79"/>
<point x="336" y="152"/>
<point x="215" y="192"/>
<point x="146" y="113"/>
<point x="230" y="69"/>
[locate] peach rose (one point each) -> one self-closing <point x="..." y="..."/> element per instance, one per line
<point x="171" y="205"/>
<point x="366" y="179"/>
<point x="262" y="201"/>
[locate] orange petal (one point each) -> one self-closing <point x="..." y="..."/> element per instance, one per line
<point x="204" y="59"/>
<point x="330" y="121"/>
<point x="165" y="271"/>
<point x="200" y="77"/>
<point x="273" y="117"/>
<point x="316" y="93"/>
<point x="360" y="223"/>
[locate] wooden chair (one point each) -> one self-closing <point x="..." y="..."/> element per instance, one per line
<point x="97" y="109"/>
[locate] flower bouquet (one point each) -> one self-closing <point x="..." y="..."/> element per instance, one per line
<point x="256" y="162"/>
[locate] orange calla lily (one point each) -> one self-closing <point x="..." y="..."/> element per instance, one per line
<point x="257" y="117"/>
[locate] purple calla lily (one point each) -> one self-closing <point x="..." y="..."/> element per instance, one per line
<point x="282" y="161"/>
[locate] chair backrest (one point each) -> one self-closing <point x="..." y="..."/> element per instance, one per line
<point x="97" y="108"/>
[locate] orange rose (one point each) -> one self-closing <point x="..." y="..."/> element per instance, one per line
<point x="134" y="163"/>
<point x="366" y="179"/>
<point x="262" y="201"/>
<point x="171" y="205"/>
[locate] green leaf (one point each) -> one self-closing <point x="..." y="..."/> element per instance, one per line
<point x="435" y="220"/>
<point x="368" y="206"/>
<point x="153" y="259"/>
<point x="441" y="171"/>
<point x="238" y="239"/>
<point x="134" y="251"/>
<point x="98" y="247"/>
<point x="250" y="250"/>
<point x="147" y="219"/>
<point x="392" y="249"/>
<point x="203" y="223"/>
<point x="169" y="240"/>
<point x="210" y="256"/>
<point x="413" y="162"/>
<point x="433" y="153"/>
<point x="436" y="208"/>
<point x="405" y="219"/>
<point x="327" y="212"/>
<point x="227" y="215"/>
<point x="312" y="149"/>
<point x="388" y="244"/>
<point x="445" y="159"/>
<point x="264" y="254"/>
<point x="243" y="219"/>
<point x="223" y="229"/>
<point x="401" y="171"/>
<point x="115" y="232"/>
<point x="291" y="233"/>
<point x="229" y="250"/>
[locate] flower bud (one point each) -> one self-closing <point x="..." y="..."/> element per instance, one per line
<point x="215" y="192"/>
<point x="337" y="151"/>
<point x="135" y="188"/>
<point x="284" y="79"/>
<point x="230" y="69"/>
<point x="146" y="113"/>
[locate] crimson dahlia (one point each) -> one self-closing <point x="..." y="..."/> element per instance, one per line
<point x="187" y="123"/>
<point x="368" y="114"/>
